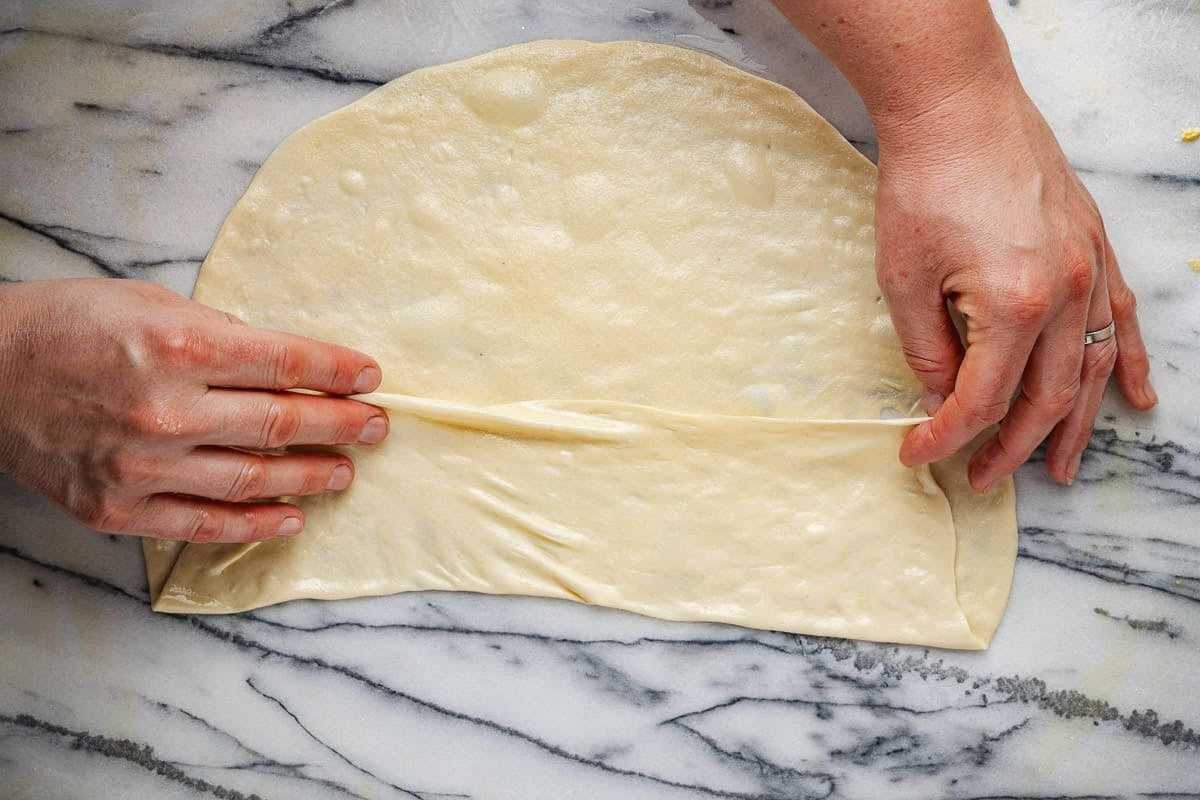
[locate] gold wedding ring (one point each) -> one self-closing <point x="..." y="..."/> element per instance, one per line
<point x="1091" y="337"/>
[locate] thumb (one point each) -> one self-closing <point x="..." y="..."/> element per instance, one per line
<point x="931" y="343"/>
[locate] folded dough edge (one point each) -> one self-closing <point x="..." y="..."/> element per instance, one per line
<point x="979" y="589"/>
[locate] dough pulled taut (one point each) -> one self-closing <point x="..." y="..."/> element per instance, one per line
<point x="634" y="355"/>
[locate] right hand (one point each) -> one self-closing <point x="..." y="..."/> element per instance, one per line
<point x="1006" y="232"/>
<point x="142" y="412"/>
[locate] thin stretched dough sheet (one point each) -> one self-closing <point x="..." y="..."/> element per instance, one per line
<point x="634" y="354"/>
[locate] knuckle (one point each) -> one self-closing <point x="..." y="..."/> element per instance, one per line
<point x="203" y="526"/>
<point x="1028" y="305"/>
<point x="1099" y="360"/>
<point x="1082" y="439"/>
<point x="250" y="482"/>
<point x="138" y="417"/>
<point x="178" y="346"/>
<point x="154" y="418"/>
<point x="311" y="482"/>
<point x="283" y="366"/>
<point x="928" y="359"/>
<point x="280" y="426"/>
<point x="986" y="412"/>
<point x="1123" y="301"/>
<point x="1003" y="450"/>
<point x="254" y="526"/>
<point x="125" y="469"/>
<point x="257" y="525"/>
<point x="102" y="511"/>
<point x="1080" y="276"/>
<point x="330" y="367"/>
<point x="1058" y="402"/>
<point x="340" y="373"/>
<point x="349" y="427"/>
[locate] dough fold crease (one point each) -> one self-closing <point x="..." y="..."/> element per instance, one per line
<point x="810" y="526"/>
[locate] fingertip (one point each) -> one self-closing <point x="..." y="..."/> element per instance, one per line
<point x="981" y="482"/>
<point x="375" y="430"/>
<point x="265" y="521"/>
<point x="1060" y="473"/>
<point x="1147" y="397"/>
<point x="340" y="477"/>
<point x="983" y="456"/>
<point x="913" y="450"/>
<point x="1057" y="455"/>
<point x="981" y="468"/>
<point x="1073" y="467"/>
<point x="1137" y="391"/>
<point x="1063" y="467"/>
<point x="1058" y="468"/>
<point x="292" y="524"/>
<point x="368" y="379"/>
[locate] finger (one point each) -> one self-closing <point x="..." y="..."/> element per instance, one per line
<point x="1050" y="388"/>
<point x="927" y="334"/>
<point x="1065" y="449"/>
<point x="191" y="519"/>
<point x="220" y="473"/>
<point x="1133" y="365"/>
<point x="253" y="358"/>
<point x="990" y="372"/>
<point x="271" y="420"/>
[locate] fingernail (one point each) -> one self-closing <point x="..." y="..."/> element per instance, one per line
<point x="373" y="431"/>
<point x="340" y="478"/>
<point x="1073" y="468"/>
<point x="291" y="526"/>
<point x="1150" y="394"/>
<point x="932" y="401"/>
<point x="367" y="380"/>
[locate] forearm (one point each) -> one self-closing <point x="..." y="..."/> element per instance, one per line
<point x="909" y="60"/>
<point x="11" y="348"/>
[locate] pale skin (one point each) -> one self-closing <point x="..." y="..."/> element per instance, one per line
<point x="142" y="412"/>
<point x="978" y="206"/>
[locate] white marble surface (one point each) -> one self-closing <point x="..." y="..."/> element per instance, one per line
<point x="127" y="131"/>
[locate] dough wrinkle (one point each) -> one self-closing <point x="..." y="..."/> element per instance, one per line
<point x="586" y="420"/>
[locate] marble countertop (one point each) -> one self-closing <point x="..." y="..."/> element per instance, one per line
<point x="128" y="130"/>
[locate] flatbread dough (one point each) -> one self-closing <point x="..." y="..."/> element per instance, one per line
<point x="634" y="354"/>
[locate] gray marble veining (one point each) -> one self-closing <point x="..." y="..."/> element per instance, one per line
<point x="128" y="130"/>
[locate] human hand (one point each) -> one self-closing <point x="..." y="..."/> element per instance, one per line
<point x="145" y="413"/>
<point x="978" y="206"/>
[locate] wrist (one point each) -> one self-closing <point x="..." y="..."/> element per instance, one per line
<point x="963" y="119"/>
<point x="968" y="73"/>
<point x="918" y="66"/>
